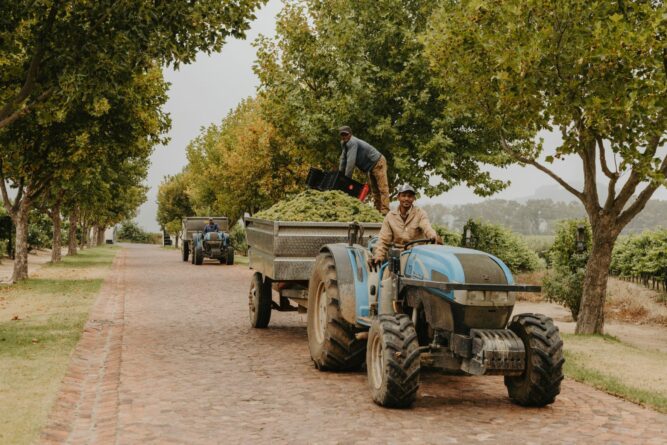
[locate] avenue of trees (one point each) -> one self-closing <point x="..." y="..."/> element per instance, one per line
<point x="445" y="88"/>
<point x="81" y="103"/>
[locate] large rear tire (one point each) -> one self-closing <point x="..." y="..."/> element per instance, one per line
<point x="393" y="361"/>
<point x="331" y="340"/>
<point x="259" y="301"/>
<point x="540" y="383"/>
<point x="199" y="255"/>
<point x="229" y="256"/>
<point x="186" y="250"/>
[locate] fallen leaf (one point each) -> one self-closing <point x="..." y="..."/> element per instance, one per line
<point x="34" y="340"/>
<point x="15" y="317"/>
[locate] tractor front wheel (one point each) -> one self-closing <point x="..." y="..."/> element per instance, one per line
<point x="393" y="361"/>
<point x="199" y="255"/>
<point x="540" y="382"/>
<point x="229" y="254"/>
<point x="259" y="301"/>
<point x="331" y="340"/>
<point x="186" y="250"/>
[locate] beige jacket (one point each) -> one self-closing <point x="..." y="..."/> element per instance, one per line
<point x="394" y="230"/>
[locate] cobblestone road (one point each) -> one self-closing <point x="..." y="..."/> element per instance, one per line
<point x="169" y="357"/>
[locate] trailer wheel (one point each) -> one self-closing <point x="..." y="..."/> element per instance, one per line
<point x="229" y="260"/>
<point x="199" y="255"/>
<point x="186" y="250"/>
<point x="331" y="340"/>
<point x="259" y="301"/>
<point x="393" y="361"/>
<point x="540" y="383"/>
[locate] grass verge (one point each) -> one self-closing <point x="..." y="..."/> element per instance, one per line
<point x="41" y="321"/>
<point x="617" y="368"/>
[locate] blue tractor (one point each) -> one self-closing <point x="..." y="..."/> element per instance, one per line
<point x="214" y="245"/>
<point x="439" y="307"/>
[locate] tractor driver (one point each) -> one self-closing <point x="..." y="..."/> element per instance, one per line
<point x="211" y="227"/>
<point x="402" y="225"/>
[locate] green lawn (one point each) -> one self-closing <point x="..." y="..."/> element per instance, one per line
<point x="41" y="321"/>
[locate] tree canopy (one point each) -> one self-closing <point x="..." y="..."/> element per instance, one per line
<point x="361" y="63"/>
<point x="593" y="71"/>
<point x="57" y="52"/>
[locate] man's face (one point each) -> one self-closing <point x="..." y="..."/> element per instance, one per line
<point x="406" y="199"/>
<point x="210" y="221"/>
<point x="345" y="137"/>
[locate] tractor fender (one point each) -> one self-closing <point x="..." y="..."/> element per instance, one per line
<point x="345" y="277"/>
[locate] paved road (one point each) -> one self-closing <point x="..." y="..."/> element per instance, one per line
<point x="169" y="357"/>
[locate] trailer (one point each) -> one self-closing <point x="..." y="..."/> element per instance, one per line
<point x="194" y="225"/>
<point x="282" y="254"/>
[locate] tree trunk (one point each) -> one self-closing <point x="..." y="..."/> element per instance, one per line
<point x="100" y="235"/>
<point x="591" y="315"/>
<point x="84" y="234"/>
<point x="176" y="240"/>
<point x="72" y="242"/>
<point x="21" y="257"/>
<point x="57" y="243"/>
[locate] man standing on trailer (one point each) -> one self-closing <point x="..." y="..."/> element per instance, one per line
<point x="368" y="159"/>
<point x="402" y="225"/>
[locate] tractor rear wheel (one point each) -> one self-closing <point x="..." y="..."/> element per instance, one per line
<point x="229" y="254"/>
<point x="186" y="250"/>
<point x="199" y="255"/>
<point x="331" y="340"/>
<point x="259" y="301"/>
<point x="393" y="361"/>
<point x="540" y="382"/>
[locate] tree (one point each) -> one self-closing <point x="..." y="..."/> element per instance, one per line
<point x="362" y="63"/>
<point x="59" y="52"/>
<point x="173" y="203"/>
<point x="38" y="155"/>
<point x="243" y="165"/>
<point x="594" y="71"/>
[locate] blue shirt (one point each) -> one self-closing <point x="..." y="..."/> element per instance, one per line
<point x="211" y="228"/>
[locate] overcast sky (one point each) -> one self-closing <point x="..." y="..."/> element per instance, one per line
<point x="203" y="93"/>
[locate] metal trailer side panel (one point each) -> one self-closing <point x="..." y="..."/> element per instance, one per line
<point x="286" y="251"/>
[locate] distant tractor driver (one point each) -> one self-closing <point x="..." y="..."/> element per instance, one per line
<point x="402" y="225"/>
<point x="366" y="158"/>
<point x="211" y="227"/>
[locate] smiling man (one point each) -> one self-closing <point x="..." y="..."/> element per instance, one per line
<point x="406" y="223"/>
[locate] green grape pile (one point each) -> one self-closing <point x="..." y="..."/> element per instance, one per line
<point x="316" y="206"/>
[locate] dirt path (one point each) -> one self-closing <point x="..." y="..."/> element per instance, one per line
<point x="171" y="359"/>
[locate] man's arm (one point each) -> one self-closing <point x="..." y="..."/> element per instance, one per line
<point x="352" y="148"/>
<point x="341" y="163"/>
<point x="385" y="238"/>
<point x="426" y="227"/>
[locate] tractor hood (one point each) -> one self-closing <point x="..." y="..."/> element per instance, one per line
<point x="460" y="265"/>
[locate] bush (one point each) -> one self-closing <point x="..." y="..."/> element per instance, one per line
<point x="502" y="243"/>
<point x="238" y="238"/>
<point x="130" y="231"/>
<point x="642" y="256"/>
<point x="449" y="237"/>
<point x="40" y="231"/>
<point x="564" y="283"/>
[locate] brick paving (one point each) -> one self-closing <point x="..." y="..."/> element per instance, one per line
<point x="169" y="357"/>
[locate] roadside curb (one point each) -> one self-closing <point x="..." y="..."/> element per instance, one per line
<point x="86" y="408"/>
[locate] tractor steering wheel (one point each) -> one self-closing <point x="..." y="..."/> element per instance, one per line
<point x="418" y="241"/>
